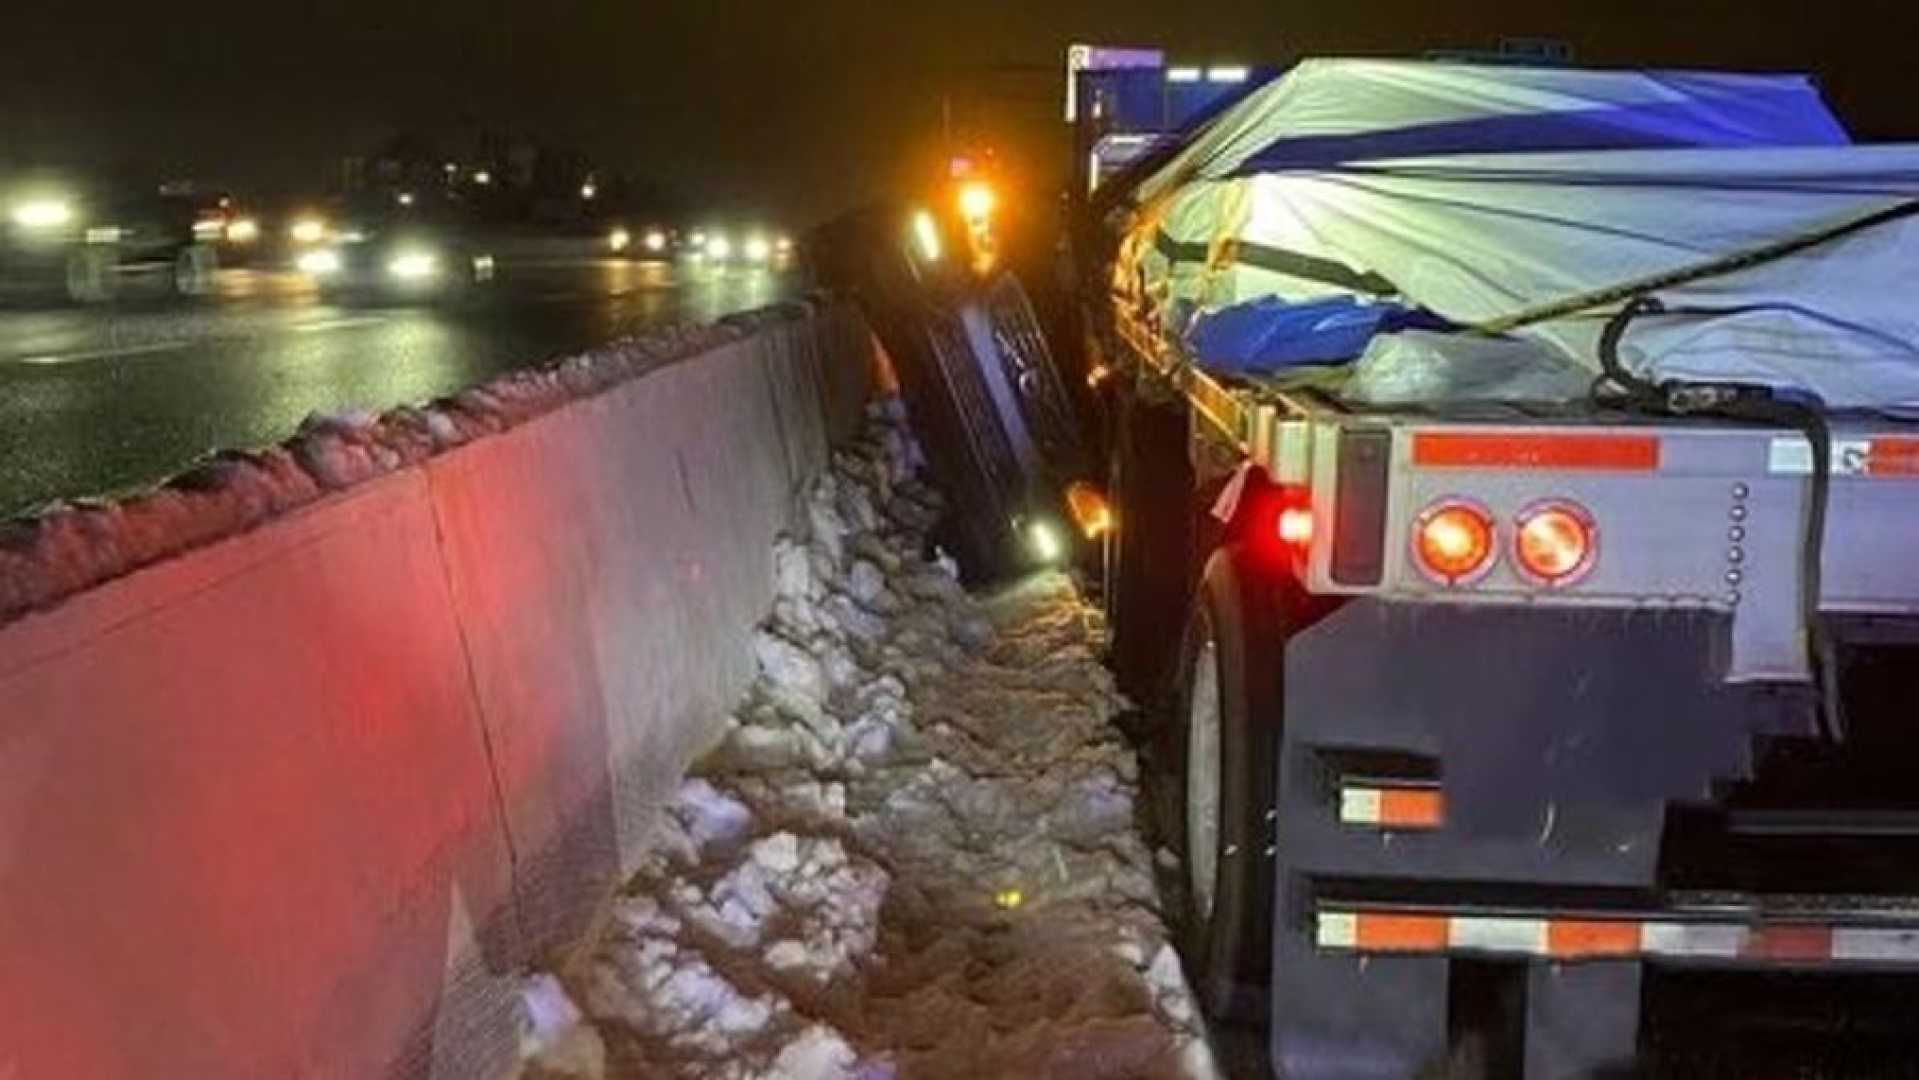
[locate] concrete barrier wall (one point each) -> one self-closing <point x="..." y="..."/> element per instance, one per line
<point x="307" y="800"/>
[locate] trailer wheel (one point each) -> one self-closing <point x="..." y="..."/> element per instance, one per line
<point x="1225" y="757"/>
<point x="1148" y="580"/>
<point x="90" y="278"/>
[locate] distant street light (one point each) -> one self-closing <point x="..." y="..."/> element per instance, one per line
<point x="483" y="178"/>
<point x="589" y="191"/>
<point x="405" y="198"/>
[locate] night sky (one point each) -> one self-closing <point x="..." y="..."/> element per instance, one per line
<point x="795" y="108"/>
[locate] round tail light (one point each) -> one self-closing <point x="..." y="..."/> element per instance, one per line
<point x="1453" y="541"/>
<point x="1556" y="543"/>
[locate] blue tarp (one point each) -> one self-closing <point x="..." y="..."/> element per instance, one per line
<point x="1269" y="334"/>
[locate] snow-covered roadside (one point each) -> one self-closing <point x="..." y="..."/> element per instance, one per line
<point x="914" y="855"/>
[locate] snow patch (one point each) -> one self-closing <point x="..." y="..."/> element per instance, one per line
<point x="914" y="853"/>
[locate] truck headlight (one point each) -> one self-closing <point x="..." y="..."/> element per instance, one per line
<point x="413" y="265"/>
<point x="976" y="202"/>
<point x="43" y="214"/>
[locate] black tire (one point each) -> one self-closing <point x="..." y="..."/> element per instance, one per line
<point x="1227" y="947"/>
<point x="1147" y="577"/>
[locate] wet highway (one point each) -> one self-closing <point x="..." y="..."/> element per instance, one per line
<point x="99" y="400"/>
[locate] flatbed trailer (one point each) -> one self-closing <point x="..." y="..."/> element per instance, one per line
<point x="1482" y="712"/>
<point x="1476" y="717"/>
<point x="1555" y="783"/>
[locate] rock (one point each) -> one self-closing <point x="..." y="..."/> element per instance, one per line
<point x="865" y="582"/>
<point x="778" y="854"/>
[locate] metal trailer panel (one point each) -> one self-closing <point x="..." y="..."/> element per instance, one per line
<point x="1558" y="736"/>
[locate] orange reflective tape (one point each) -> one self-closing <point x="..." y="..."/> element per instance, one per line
<point x="1893" y="457"/>
<point x="1572" y="939"/>
<point x="1404" y="933"/>
<point x="1489" y="450"/>
<point x="1790" y="943"/>
<point x="1412" y="808"/>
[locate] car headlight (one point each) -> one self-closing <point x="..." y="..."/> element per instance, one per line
<point x="319" y="263"/>
<point x="719" y="247"/>
<point x="413" y="265"/>
<point x="619" y="240"/>
<point x="308" y="231"/>
<point x="243" y="231"/>
<point x="43" y="214"/>
<point x="758" y="249"/>
<point x="655" y="241"/>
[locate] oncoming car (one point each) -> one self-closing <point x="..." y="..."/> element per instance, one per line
<point x="749" y="247"/>
<point x="402" y="254"/>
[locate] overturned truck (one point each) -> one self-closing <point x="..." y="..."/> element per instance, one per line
<point x="1528" y="454"/>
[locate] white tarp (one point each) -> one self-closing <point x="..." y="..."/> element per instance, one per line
<point x="1476" y="236"/>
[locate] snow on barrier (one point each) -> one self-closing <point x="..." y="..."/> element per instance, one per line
<point x="309" y="754"/>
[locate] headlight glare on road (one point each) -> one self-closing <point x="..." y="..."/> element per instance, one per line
<point x="308" y="231"/>
<point x="319" y="263"/>
<point x="413" y="265"/>
<point x="43" y="214"/>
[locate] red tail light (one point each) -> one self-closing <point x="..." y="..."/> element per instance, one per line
<point x="1296" y="526"/>
<point x="1453" y="541"/>
<point x="1555" y="543"/>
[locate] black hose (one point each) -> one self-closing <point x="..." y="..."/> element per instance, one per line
<point x="1758" y="405"/>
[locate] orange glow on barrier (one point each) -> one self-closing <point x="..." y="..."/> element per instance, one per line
<point x="1555" y="543"/>
<point x="1091" y="512"/>
<point x="1454" y="541"/>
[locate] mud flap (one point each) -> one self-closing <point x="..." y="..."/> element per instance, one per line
<point x="1344" y="1018"/>
<point x="1582" y="1020"/>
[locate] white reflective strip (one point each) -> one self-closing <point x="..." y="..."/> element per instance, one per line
<point x="1893" y="945"/>
<point x="1791" y="455"/>
<point x="1359" y="806"/>
<point x="1500" y="935"/>
<point x="1338" y="930"/>
<point x="1692" y="939"/>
